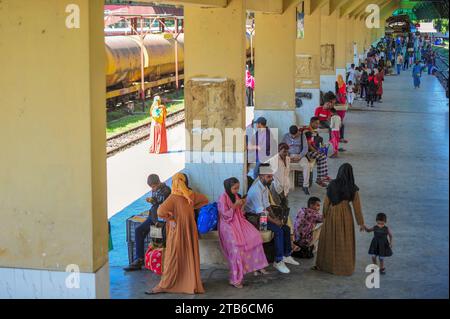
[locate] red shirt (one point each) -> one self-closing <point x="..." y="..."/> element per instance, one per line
<point x="322" y="113"/>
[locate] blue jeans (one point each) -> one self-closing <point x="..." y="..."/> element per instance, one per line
<point x="416" y="81"/>
<point x="399" y="67"/>
<point x="282" y="237"/>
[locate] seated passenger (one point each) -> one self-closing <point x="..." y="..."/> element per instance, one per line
<point x="259" y="201"/>
<point x="298" y="148"/>
<point x="313" y="140"/>
<point x="160" y="192"/>
<point x="241" y="243"/>
<point x="281" y="164"/>
<point x="261" y="146"/>
<point x="304" y="226"/>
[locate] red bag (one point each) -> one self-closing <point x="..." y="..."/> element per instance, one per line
<point x="154" y="259"/>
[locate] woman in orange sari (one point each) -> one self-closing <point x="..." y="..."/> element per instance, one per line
<point x="341" y="90"/>
<point x="158" y="133"/>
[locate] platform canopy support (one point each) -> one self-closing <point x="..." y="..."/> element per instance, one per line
<point x="53" y="229"/>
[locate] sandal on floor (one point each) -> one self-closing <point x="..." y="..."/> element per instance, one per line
<point x="154" y="291"/>
<point x="238" y="286"/>
<point x="321" y="183"/>
<point x="264" y="272"/>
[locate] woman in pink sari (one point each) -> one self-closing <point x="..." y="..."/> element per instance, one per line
<point x="240" y="241"/>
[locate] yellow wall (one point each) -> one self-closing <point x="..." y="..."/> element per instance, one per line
<point x="275" y="59"/>
<point x="310" y="45"/>
<point x="329" y="35"/>
<point x="215" y="45"/>
<point x="53" y="176"/>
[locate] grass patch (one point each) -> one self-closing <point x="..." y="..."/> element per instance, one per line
<point x="119" y="121"/>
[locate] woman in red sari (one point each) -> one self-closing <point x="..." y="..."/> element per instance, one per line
<point x="380" y="79"/>
<point x="158" y="133"/>
<point x="341" y="90"/>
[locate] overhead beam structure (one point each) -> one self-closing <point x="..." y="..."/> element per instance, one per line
<point x="200" y="3"/>
<point x="266" y="6"/>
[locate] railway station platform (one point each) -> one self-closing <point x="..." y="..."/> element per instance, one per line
<point x="399" y="152"/>
<point x="58" y="189"/>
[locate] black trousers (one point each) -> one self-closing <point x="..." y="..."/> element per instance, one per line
<point x="363" y="90"/>
<point x="249" y="93"/>
<point x="342" y="131"/>
<point x="370" y="99"/>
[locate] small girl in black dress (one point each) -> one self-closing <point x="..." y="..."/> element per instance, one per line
<point x="380" y="246"/>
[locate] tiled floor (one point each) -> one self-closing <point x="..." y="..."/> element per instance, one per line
<point x="399" y="151"/>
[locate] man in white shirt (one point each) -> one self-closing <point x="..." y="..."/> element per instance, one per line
<point x="351" y="74"/>
<point x="259" y="201"/>
<point x="281" y="163"/>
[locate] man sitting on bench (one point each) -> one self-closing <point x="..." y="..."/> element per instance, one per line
<point x="259" y="201"/>
<point x="298" y="148"/>
<point x="160" y="192"/>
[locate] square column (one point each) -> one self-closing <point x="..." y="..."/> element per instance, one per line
<point x="330" y="49"/>
<point x="53" y="226"/>
<point x="308" y="62"/>
<point x="215" y="56"/>
<point x="275" y="67"/>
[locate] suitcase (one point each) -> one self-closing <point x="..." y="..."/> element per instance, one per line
<point x="131" y="224"/>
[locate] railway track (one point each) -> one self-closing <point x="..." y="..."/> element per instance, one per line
<point x="122" y="141"/>
<point x="442" y="66"/>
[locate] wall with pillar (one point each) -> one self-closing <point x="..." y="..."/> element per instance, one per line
<point x="215" y="57"/>
<point x="53" y="176"/>
<point x="275" y="67"/>
<point x="308" y="63"/>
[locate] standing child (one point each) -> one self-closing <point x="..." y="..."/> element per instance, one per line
<point x="380" y="246"/>
<point x="350" y="93"/>
<point x="335" y="126"/>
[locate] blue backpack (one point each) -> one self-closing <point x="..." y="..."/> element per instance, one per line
<point x="207" y="218"/>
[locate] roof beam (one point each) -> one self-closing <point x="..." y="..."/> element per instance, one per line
<point x="337" y="4"/>
<point x="362" y="7"/>
<point x="200" y="3"/>
<point x="364" y="14"/>
<point x="317" y="4"/>
<point x="349" y="7"/>
<point x="266" y="6"/>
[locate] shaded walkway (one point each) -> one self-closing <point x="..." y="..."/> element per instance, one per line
<point x="399" y="151"/>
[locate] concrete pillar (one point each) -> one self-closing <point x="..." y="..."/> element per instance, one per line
<point x="341" y="45"/>
<point x="328" y="49"/>
<point x="53" y="177"/>
<point x="215" y="45"/>
<point x="275" y="67"/>
<point x="308" y="63"/>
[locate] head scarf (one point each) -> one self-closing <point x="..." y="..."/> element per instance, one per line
<point x="343" y="187"/>
<point x="156" y="112"/>
<point x="340" y="81"/>
<point x="228" y="183"/>
<point x="179" y="186"/>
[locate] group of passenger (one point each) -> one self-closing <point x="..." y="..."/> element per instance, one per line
<point x="410" y="51"/>
<point x="240" y="216"/>
<point x="269" y="185"/>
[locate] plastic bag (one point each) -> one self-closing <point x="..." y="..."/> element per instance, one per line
<point x="207" y="218"/>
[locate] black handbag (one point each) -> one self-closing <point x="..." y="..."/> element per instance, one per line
<point x="253" y="219"/>
<point x="279" y="212"/>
